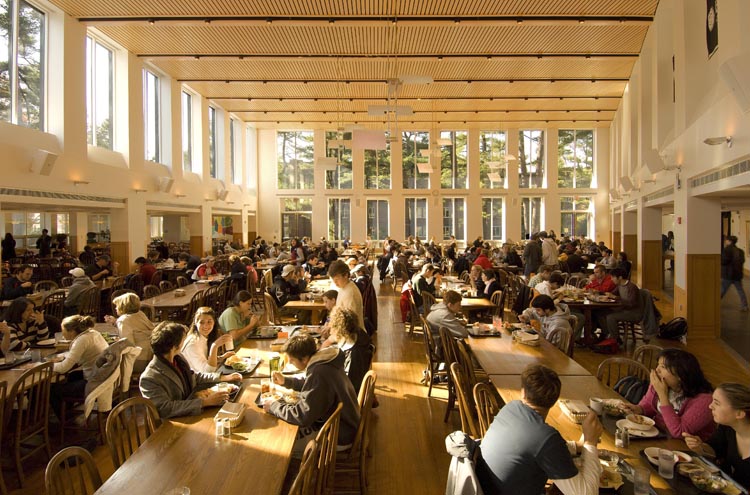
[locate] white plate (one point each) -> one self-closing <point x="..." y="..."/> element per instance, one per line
<point x="46" y="342"/>
<point x="650" y="433"/>
<point x="652" y="453"/>
<point x="682" y="456"/>
<point x="232" y="387"/>
<point x="2" y="361"/>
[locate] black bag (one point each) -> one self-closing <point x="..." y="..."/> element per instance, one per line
<point x="674" y="329"/>
<point x="631" y="388"/>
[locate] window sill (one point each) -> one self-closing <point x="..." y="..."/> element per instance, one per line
<point x="25" y="137"/>
<point x="104" y="156"/>
<point x="165" y="168"/>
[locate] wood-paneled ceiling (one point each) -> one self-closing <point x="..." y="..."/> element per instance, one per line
<point x="284" y="63"/>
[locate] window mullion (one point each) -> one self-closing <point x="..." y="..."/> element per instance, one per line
<point x="15" y="101"/>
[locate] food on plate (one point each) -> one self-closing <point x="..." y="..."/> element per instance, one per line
<point x="610" y="479"/>
<point x="640" y="422"/>
<point x="291" y="397"/>
<point x="703" y="480"/>
<point x="233" y="359"/>
<point x="608" y="459"/>
<point x="237" y="363"/>
<point x="613" y="407"/>
<point x="682" y="456"/>
<point x="229" y="388"/>
<point x="687" y="468"/>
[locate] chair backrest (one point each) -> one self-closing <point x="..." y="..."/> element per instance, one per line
<point x="54" y="304"/>
<point x="135" y="283"/>
<point x="449" y="346"/>
<point x="465" y="406"/>
<point x="498" y="299"/>
<point x="157" y="277"/>
<point x="150" y="291"/>
<point x="364" y="398"/>
<point x="612" y="369"/>
<point x="72" y="471"/>
<point x="90" y="301"/>
<point x="465" y="277"/>
<point x="429" y="342"/>
<point x="3" y="399"/>
<point x="463" y="358"/>
<point x="268" y="278"/>
<point x="182" y="281"/>
<point x="195" y="302"/>
<point x="487" y="406"/>
<point x="427" y="301"/>
<point x="222" y="292"/>
<point x="647" y="355"/>
<point x="304" y="482"/>
<point x="561" y="338"/>
<point x="166" y="286"/>
<point x="271" y="311"/>
<point x="129" y="425"/>
<point x="66" y="281"/>
<point x="327" y="439"/>
<point x="29" y="396"/>
<point x="45" y="285"/>
<point x="117" y="284"/>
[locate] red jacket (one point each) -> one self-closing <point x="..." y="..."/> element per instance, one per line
<point x="606" y="285"/>
<point x="147" y="272"/>
<point x="484" y="262"/>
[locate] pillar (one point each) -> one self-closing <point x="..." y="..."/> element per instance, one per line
<point x="630" y="235"/>
<point x="650" y="266"/>
<point x="616" y="245"/>
<point x="512" y="201"/>
<point x="200" y="231"/>
<point x="129" y="231"/>
<point x="79" y="222"/>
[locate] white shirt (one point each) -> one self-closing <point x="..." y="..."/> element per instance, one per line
<point x="543" y="288"/>
<point x="86" y="347"/>
<point x="350" y="298"/>
<point x="195" y="352"/>
<point x="586" y="482"/>
<point x="137" y="328"/>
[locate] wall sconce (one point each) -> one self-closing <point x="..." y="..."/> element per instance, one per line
<point x="80" y="182"/>
<point x="138" y="190"/>
<point x="180" y="195"/>
<point x="715" y="141"/>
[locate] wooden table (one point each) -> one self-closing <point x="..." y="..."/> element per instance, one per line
<point x="168" y="300"/>
<point x="313" y="306"/>
<point x="186" y="452"/>
<point x="502" y="356"/>
<point x="582" y="388"/>
<point x="587" y="307"/>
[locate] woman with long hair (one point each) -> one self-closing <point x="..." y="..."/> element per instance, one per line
<point x="204" y="341"/>
<point x="238" y="319"/>
<point x="27" y="325"/>
<point x="678" y="396"/>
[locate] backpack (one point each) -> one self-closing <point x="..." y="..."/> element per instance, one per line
<point x="674" y="329"/>
<point x="606" y="346"/>
<point x="631" y="388"/>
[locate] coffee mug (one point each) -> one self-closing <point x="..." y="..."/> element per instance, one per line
<point x="596" y="405"/>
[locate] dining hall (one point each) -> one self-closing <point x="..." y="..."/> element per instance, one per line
<point x="383" y="246"/>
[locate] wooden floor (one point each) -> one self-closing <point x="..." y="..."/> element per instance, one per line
<point x="408" y="449"/>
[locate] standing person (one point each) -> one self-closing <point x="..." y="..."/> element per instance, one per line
<point x="20" y="285"/>
<point x="549" y="250"/>
<point x="44" y="244"/>
<point x="9" y="247"/>
<point x="349" y="296"/>
<point x="532" y="256"/>
<point x="732" y="264"/>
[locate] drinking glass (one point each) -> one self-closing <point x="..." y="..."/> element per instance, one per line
<point x="666" y="464"/>
<point x="641" y="481"/>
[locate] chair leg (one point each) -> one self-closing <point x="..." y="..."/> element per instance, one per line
<point x="451" y="401"/>
<point x="430" y="377"/>
<point x="17" y="455"/>
<point x="62" y="422"/>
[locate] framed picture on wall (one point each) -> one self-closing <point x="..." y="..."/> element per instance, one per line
<point x="712" y="27"/>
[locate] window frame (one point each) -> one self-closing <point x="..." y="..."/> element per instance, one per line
<point x="186" y="128"/>
<point x="541" y="181"/>
<point x="484" y="169"/>
<point x="157" y="158"/>
<point x="451" y="152"/>
<point x="530" y="228"/>
<point x="337" y="224"/>
<point x="91" y="98"/>
<point x="297" y="214"/>
<point x="377" y="157"/>
<point x="489" y="235"/>
<point x="412" y="223"/>
<point x="574" y="212"/>
<point x="213" y="138"/>
<point x="374" y="234"/>
<point x="344" y="158"/>
<point x="418" y="176"/>
<point x="453" y="229"/>
<point x="299" y="171"/>
<point x="577" y="163"/>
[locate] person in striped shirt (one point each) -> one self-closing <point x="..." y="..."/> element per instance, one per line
<point x="26" y="324"/>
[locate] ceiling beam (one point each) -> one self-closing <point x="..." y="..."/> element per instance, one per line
<point x="405" y="121"/>
<point x="435" y="112"/>
<point x="385" y="81"/>
<point x="375" y="98"/>
<point x="437" y="56"/>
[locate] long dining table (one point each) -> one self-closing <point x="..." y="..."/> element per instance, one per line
<point x="185" y="452"/>
<point x="170" y="301"/>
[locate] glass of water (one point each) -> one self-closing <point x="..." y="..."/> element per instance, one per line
<point x="666" y="464"/>
<point x="641" y="481"/>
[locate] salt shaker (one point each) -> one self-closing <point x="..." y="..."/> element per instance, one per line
<point x="622" y="438"/>
<point x="227" y="427"/>
<point x="219" y="424"/>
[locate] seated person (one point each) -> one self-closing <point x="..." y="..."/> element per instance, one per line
<point x="575" y="262"/>
<point x="20" y="284"/>
<point x="551" y="317"/>
<point x="87" y="256"/>
<point x="600" y="281"/>
<point x="548" y="287"/>
<point x="324" y="385"/>
<point x="205" y="270"/>
<point x="85" y="347"/>
<point x="238" y="319"/>
<point x="544" y="273"/>
<point x="353" y="342"/>
<point x="608" y="260"/>
<point x="204" y="342"/>
<point x="445" y="314"/>
<point x="630" y="302"/>
<point x="27" y="326"/>
<point x="188" y="261"/>
<point x="475" y="279"/>
<point x="314" y="267"/>
<point x="361" y="277"/>
<point x="678" y="396"/>
<point x="329" y="301"/>
<point x="238" y="270"/>
<point x="490" y="284"/>
<point x="729" y="443"/>
<point x="80" y="283"/>
<point x="169" y="382"/>
<point x="134" y="325"/>
<point x="520" y="452"/>
<point x="145" y="269"/>
<point x="483" y="261"/>
<point x="423" y="281"/>
<point x="102" y="268"/>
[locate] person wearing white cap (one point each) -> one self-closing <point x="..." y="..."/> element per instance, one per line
<point x="285" y="289"/>
<point x="80" y="283"/>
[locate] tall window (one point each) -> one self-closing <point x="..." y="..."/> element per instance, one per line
<point x="187" y="131"/>
<point x="493" y="167"/>
<point x="99" y="93"/>
<point x="22" y="69"/>
<point x="378" y="168"/>
<point x="415" y="217"/>
<point x="339" y="218"/>
<point x="212" y="139"/>
<point x="296" y="217"/>
<point x="156" y="227"/>
<point x="377" y="219"/>
<point x="295" y="160"/>
<point x="454" y="218"/>
<point x="152" y="116"/>
<point x="531" y="216"/>
<point x="576" y="214"/>
<point x="234" y="153"/>
<point x="412" y="145"/>
<point x="341" y="176"/>
<point x="530" y="159"/>
<point x="453" y="165"/>
<point x="575" y="158"/>
<point x="492" y="219"/>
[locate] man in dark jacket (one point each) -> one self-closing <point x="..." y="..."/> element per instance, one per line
<point x="325" y="385"/>
<point x="732" y="264"/>
<point x="20" y="285"/>
<point x="532" y="256"/>
<point x="44" y="244"/>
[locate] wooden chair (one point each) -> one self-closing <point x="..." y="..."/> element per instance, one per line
<point x="150" y="291"/>
<point x="90" y="301"/>
<point x="272" y="312"/>
<point x="414" y="316"/>
<point x="29" y="403"/>
<point x="222" y="293"/>
<point x="157" y="277"/>
<point x="435" y="366"/>
<point x="3" y="398"/>
<point x="465" y="360"/>
<point x="485" y="400"/>
<point x="427" y="301"/>
<point x="268" y="278"/>
<point x="195" y="302"/>
<point x="54" y="304"/>
<point x="166" y="286"/>
<point x="612" y="369"/>
<point x="129" y="425"/>
<point x="72" y="471"/>
<point x="464" y="277"/>
<point x="327" y="439"/>
<point x="498" y="299"/>
<point x="354" y="460"/>
<point x="182" y="281"/>
<point x="450" y="349"/>
<point x="304" y="482"/>
<point x="92" y="402"/>
<point x="135" y="283"/>
<point x="66" y="281"/>
<point x="45" y="285"/>
<point x="647" y="355"/>
<point x="562" y="339"/>
<point x="117" y="284"/>
<point x="466" y="405"/>
<point x="258" y="303"/>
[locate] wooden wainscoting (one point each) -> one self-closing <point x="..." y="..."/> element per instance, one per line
<point x="196" y="245"/>
<point x="118" y="250"/>
<point x="703" y="275"/>
<point x="616" y="242"/>
<point x="630" y="246"/>
<point x="651" y="269"/>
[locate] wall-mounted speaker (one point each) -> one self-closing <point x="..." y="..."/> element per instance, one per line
<point x="165" y="184"/>
<point x="43" y="162"/>
<point x="735" y="73"/>
<point x="222" y="195"/>
<point x="626" y="183"/>
<point x="652" y="160"/>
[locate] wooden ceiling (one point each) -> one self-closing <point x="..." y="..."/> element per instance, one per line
<point x="285" y="63"/>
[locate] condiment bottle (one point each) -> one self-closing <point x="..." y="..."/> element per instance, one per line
<point x="622" y="438"/>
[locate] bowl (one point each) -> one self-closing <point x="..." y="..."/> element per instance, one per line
<point x="652" y="453"/>
<point x="685" y="468"/>
<point x="682" y="457"/>
<point x="608" y="459"/>
<point x="707" y="482"/>
<point x="639" y="422"/>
